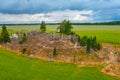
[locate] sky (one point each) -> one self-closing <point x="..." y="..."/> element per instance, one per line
<point x="35" y="11"/>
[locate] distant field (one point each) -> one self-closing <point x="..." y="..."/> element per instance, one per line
<point x="75" y="27"/>
<point x="110" y="36"/>
<point x="14" y="67"/>
<point x="104" y="33"/>
<point x="31" y="27"/>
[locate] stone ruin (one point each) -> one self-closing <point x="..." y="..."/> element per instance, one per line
<point x="41" y="45"/>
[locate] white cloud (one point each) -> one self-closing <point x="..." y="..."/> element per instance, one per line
<point x="55" y="16"/>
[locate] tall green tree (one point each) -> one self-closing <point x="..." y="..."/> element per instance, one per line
<point x="88" y="46"/>
<point x="5" y="35"/>
<point x="94" y="42"/>
<point x="43" y="26"/>
<point x="24" y="38"/>
<point x="83" y="41"/>
<point x="65" y="27"/>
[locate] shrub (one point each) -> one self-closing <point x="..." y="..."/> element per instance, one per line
<point x="98" y="46"/>
<point x="54" y="51"/>
<point x="23" y="39"/>
<point x="71" y="39"/>
<point x="83" y="41"/>
<point x="88" y="46"/>
<point x="24" y="50"/>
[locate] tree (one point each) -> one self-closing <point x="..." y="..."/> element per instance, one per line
<point x="5" y="35"/>
<point x="43" y="27"/>
<point x="54" y="51"/>
<point x="98" y="46"/>
<point x="88" y="46"/>
<point x="83" y="41"/>
<point x="65" y="27"/>
<point x="94" y="43"/>
<point x="23" y="38"/>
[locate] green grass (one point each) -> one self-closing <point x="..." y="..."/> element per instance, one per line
<point x="14" y="67"/>
<point x="109" y="36"/>
<point x="75" y="27"/>
<point x="96" y="27"/>
<point x="30" y="27"/>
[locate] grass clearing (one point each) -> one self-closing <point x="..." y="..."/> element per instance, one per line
<point x="14" y="67"/>
<point x="109" y="36"/>
<point x="75" y="27"/>
<point x="104" y="33"/>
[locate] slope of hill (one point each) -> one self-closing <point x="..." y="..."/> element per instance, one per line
<point x="14" y="67"/>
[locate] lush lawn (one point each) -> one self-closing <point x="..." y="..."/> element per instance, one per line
<point x="110" y="36"/>
<point x="14" y="67"/>
<point x="96" y="27"/>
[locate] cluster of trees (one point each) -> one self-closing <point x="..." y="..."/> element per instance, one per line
<point x="90" y="43"/>
<point x="23" y="38"/>
<point x="4" y="37"/>
<point x="65" y="27"/>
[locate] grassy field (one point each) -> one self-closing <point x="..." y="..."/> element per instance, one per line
<point x="14" y="67"/>
<point x="75" y="27"/>
<point x="104" y="33"/>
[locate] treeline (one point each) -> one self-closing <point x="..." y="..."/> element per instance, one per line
<point x="97" y="23"/>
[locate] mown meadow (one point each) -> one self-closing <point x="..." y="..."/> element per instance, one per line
<point x="14" y="67"/>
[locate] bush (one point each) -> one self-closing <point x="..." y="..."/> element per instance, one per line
<point x="54" y="51"/>
<point x="98" y="46"/>
<point x="24" y="50"/>
<point x="23" y="39"/>
<point x="88" y="46"/>
<point x="20" y="42"/>
<point x="71" y="39"/>
<point x="83" y="41"/>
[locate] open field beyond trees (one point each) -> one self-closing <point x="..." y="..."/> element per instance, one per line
<point x="104" y="33"/>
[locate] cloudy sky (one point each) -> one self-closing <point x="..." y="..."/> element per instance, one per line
<point x="34" y="11"/>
